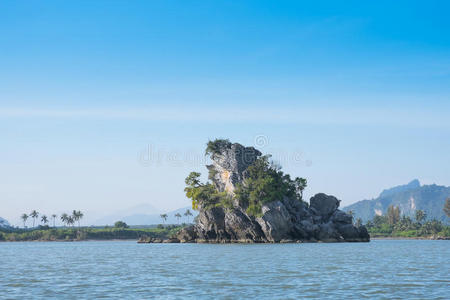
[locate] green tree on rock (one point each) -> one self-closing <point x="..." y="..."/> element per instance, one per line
<point x="204" y="194"/>
<point x="265" y="183"/>
<point x="214" y="147"/>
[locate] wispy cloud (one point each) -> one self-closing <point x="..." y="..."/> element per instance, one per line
<point x="320" y="116"/>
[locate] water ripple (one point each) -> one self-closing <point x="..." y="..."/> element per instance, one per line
<point x="126" y="270"/>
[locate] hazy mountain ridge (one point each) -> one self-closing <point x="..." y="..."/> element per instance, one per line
<point x="145" y="218"/>
<point x="4" y="223"/>
<point x="409" y="197"/>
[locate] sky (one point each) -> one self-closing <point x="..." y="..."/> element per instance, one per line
<point x="108" y="105"/>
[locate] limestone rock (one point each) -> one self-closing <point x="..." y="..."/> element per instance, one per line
<point x="228" y="166"/>
<point x="324" y="205"/>
<point x="275" y="221"/>
<point x="284" y="220"/>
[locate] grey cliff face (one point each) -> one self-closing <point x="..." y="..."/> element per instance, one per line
<point x="229" y="165"/>
<point x="284" y="220"/>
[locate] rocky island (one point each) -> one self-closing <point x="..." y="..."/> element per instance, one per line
<point x="250" y="200"/>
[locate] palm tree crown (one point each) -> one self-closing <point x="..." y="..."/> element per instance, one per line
<point x="77" y="216"/>
<point x="164" y="217"/>
<point x="44" y="219"/>
<point x="24" y="218"/>
<point x="54" y="219"/>
<point x="188" y="214"/>
<point x="70" y="220"/>
<point x="34" y="214"/>
<point x="64" y="218"/>
<point x="178" y="216"/>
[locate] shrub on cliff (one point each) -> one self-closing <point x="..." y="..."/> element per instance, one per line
<point x="204" y="194"/>
<point x="264" y="183"/>
<point x="216" y="146"/>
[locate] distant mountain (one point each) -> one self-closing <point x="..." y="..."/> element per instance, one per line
<point x="4" y="223"/>
<point x="409" y="197"/>
<point x="146" y="218"/>
<point x="401" y="188"/>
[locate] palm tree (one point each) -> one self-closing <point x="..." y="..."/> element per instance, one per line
<point x="70" y="220"/>
<point x="77" y="215"/>
<point x="64" y="218"/>
<point x="34" y="214"/>
<point x="178" y="216"/>
<point x="393" y="214"/>
<point x="80" y="216"/>
<point x="54" y="219"/>
<point x="24" y="218"/>
<point x="164" y="217"/>
<point x="420" y="216"/>
<point x="188" y="214"/>
<point x="44" y="219"/>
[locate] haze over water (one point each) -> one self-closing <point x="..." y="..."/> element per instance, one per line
<point x="407" y="269"/>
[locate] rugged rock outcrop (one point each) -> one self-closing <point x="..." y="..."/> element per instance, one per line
<point x="284" y="220"/>
<point x="229" y="163"/>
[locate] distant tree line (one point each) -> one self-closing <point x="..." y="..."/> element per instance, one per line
<point x="66" y="219"/>
<point x="396" y="224"/>
<point x="120" y="231"/>
<point x="178" y="216"/>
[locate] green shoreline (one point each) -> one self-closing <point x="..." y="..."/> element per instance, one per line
<point x="74" y="234"/>
<point x="86" y="234"/>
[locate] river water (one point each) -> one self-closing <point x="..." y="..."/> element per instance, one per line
<point x="384" y="269"/>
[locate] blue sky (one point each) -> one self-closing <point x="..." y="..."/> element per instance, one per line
<point x="353" y="96"/>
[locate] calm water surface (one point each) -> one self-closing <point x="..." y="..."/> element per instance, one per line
<point x="383" y="269"/>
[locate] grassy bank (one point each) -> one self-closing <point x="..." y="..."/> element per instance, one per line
<point x="81" y="234"/>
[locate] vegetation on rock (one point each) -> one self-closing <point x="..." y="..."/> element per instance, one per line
<point x="248" y="199"/>
<point x="216" y="146"/>
<point x="264" y="182"/>
<point x="206" y="194"/>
